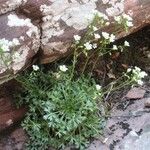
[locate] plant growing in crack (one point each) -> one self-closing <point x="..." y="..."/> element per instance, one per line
<point x="63" y="103"/>
<point x="6" y="54"/>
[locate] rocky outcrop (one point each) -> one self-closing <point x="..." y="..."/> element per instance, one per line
<point x="61" y="19"/>
<point x="27" y="26"/>
<point x="50" y="25"/>
<point x="19" y="40"/>
<point x="9" y="5"/>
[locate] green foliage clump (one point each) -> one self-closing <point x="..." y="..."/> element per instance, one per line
<point x="64" y="105"/>
<point x="61" y="112"/>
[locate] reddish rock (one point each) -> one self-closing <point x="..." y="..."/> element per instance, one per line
<point x="9" y="115"/>
<point x="19" y="135"/>
<point x="60" y="24"/>
<point x="135" y="93"/>
<point x="21" y="41"/>
<point x="13" y="140"/>
<point x="9" y="5"/>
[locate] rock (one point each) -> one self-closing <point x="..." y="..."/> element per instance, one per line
<point x="44" y="25"/>
<point x="97" y="145"/>
<point x="9" y="5"/>
<point x="127" y="128"/>
<point x="9" y="115"/>
<point x="29" y="25"/>
<point x="135" y="143"/>
<point x="147" y="103"/>
<point x="20" y="41"/>
<point x="13" y="140"/>
<point x="60" y="24"/>
<point x="135" y="93"/>
<point x="18" y="135"/>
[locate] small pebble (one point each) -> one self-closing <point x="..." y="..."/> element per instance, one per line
<point x="147" y="103"/>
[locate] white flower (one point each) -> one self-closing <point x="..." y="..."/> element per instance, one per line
<point x="57" y="75"/>
<point x="88" y="46"/>
<point x="140" y="82"/>
<point x="15" y="42"/>
<point x="16" y="55"/>
<point x="105" y="35"/>
<point x="107" y="23"/>
<point x="5" y="48"/>
<point x="98" y="87"/>
<point x="117" y="19"/>
<point x="137" y="68"/>
<point x="126" y="43"/>
<point x="143" y="74"/>
<point x="95" y="12"/>
<point x="115" y="47"/>
<point x="112" y="38"/>
<point x="101" y="15"/>
<point x="129" y="24"/>
<point x="127" y="17"/>
<point x="129" y="70"/>
<point x="35" y="67"/>
<point x="138" y="75"/>
<point x="63" y="68"/>
<point x="94" y="45"/>
<point x="97" y="36"/>
<point x="77" y="37"/>
<point x="5" y="45"/>
<point x="95" y="28"/>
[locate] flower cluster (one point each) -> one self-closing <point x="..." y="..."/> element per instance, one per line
<point x="100" y="15"/>
<point x="35" y="67"/>
<point x="137" y="74"/>
<point x="63" y="68"/>
<point x="109" y="37"/>
<point x="5" y="44"/>
<point x="124" y="19"/>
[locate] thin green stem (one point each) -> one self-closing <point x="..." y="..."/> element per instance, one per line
<point x="85" y="65"/>
<point x="74" y="63"/>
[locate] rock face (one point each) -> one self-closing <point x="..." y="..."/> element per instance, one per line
<point x="127" y="128"/>
<point x="19" y="40"/>
<point x="61" y="19"/>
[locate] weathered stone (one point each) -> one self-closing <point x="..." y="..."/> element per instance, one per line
<point x="13" y="140"/>
<point x="9" y="5"/>
<point x="18" y="135"/>
<point x="147" y="103"/>
<point x="9" y="115"/>
<point x="21" y="41"/>
<point x="127" y="128"/>
<point x="135" y="143"/>
<point x="135" y="93"/>
<point x="60" y="24"/>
